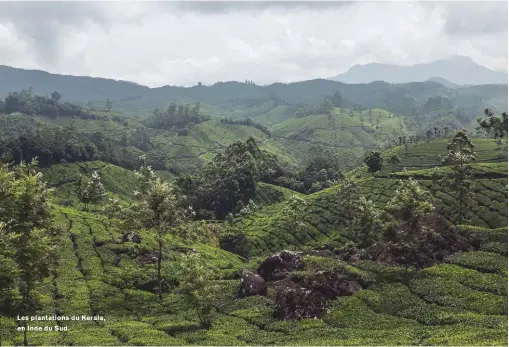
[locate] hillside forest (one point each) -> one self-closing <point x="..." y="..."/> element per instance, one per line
<point x="312" y="213"/>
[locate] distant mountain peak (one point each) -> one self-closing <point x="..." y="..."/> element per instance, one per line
<point x="458" y="70"/>
<point x="461" y="57"/>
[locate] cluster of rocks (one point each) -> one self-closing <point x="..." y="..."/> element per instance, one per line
<point x="296" y="297"/>
<point x="131" y="236"/>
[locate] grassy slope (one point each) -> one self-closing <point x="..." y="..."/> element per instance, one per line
<point x="203" y="142"/>
<point x="324" y="217"/>
<point x="460" y="302"/>
<point x="431" y="152"/>
<point x="347" y="133"/>
<point x="120" y="183"/>
<point x="212" y="137"/>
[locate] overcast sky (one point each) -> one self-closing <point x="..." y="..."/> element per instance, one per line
<point x="181" y="43"/>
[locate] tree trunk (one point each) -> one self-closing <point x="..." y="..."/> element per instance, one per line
<point x="25" y="340"/>
<point x="460" y="209"/>
<point x="199" y="316"/>
<point x="26" y="295"/>
<point x="159" y="259"/>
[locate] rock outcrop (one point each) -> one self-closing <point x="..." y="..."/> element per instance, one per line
<point x="278" y="265"/>
<point x="295" y="302"/>
<point x="150" y="257"/>
<point x="251" y="283"/>
<point x="297" y="295"/>
<point x="131" y="236"/>
<point x="331" y="284"/>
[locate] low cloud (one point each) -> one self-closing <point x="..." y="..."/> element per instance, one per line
<point x="181" y="43"/>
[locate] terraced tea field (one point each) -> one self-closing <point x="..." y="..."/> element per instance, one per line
<point x="460" y="302"/>
<point x="325" y="220"/>
<point x="428" y="154"/>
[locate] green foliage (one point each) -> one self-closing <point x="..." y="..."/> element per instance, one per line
<point x="227" y="183"/>
<point x="114" y="209"/>
<point x="447" y="292"/>
<point x="56" y="96"/>
<point x="9" y="269"/>
<point x="91" y="191"/>
<point x="415" y="234"/>
<point x="7" y="330"/>
<point x="26" y="248"/>
<point x="451" y="303"/>
<point x="460" y="181"/>
<point x="293" y="209"/>
<point x="157" y="207"/>
<point x="393" y="159"/>
<point x="324" y="107"/>
<point x="177" y="116"/>
<point x="337" y="100"/>
<point x="108" y="105"/>
<point x="51" y="146"/>
<point x="248" y="122"/>
<point x="195" y="285"/>
<point x="364" y="219"/>
<point x="411" y="202"/>
<point x="482" y="261"/>
<point x="322" y="170"/>
<point x="233" y="240"/>
<point x="493" y="125"/>
<point x="374" y="161"/>
<point x="492" y="283"/>
<point x="26" y="103"/>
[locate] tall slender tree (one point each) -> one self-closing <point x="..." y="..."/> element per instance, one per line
<point x="197" y="287"/>
<point x="108" y="105"/>
<point x="159" y="208"/>
<point x="461" y="154"/>
<point x="294" y="209"/>
<point x="26" y="246"/>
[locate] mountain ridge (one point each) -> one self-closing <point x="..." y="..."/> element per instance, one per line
<point x="459" y="70"/>
<point x="135" y="98"/>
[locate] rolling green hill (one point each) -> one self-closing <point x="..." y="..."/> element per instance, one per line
<point x="131" y="97"/>
<point x="461" y="300"/>
<point x="130" y="140"/>
<point x="119" y="183"/>
<point x="325" y="219"/>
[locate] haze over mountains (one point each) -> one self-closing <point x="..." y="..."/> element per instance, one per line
<point x="459" y="70"/>
<point x="367" y="91"/>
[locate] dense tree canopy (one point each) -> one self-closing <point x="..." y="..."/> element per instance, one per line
<point x="176" y="116"/>
<point x="374" y="161"/>
<point x="26" y="244"/>
<point x="25" y="102"/>
<point x="226" y="183"/>
<point x="493" y="125"/>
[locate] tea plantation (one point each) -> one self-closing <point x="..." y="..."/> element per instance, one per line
<point x="462" y="301"/>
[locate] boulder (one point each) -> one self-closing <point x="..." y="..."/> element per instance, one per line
<point x="278" y="265"/>
<point x="331" y="284"/>
<point x="131" y="236"/>
<point x="297" y="303"/>
<point x="307" y="297"/>
<point x="251" y="283"/>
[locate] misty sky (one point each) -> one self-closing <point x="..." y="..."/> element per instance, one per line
<point x="181" y="43"/>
